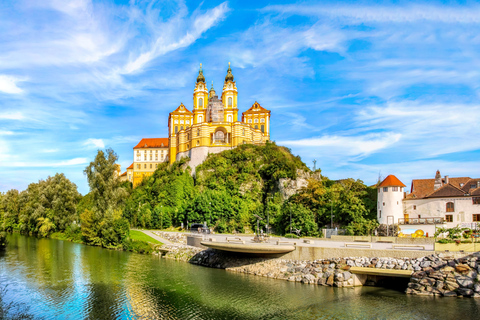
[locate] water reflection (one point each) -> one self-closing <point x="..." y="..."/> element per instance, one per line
<point x="63" y="280"/>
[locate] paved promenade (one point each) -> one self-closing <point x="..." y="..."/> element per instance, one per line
<point x="299" y="242"/>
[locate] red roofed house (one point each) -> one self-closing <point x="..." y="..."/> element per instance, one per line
<point x="147" y="155"/>
<point x="432" y="202"/>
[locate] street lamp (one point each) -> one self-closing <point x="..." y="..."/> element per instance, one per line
<point x="290" y="206"/>
<point x="331" y="214"/>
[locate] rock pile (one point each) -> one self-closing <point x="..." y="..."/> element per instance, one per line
<point x="180" y="252"/>
<point x="441" y="275"/>
<point x="175" y="237"/>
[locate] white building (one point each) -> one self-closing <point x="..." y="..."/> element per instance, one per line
<point x="390" y="196"/>
<point x="445" y="202"/>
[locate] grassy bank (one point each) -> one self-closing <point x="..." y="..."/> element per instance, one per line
<point x="140" y="236"/>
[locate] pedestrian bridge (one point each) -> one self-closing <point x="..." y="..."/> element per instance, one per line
<point x="381" y="272"/>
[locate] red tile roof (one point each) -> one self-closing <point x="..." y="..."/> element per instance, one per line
<point x="391" y="181"/>
<point x="447" y="190"/>
<point x="423" y="187"/>
<point x="152" y="143"/>
<point x="130" y="166"/>
<point x="123" y="174"/>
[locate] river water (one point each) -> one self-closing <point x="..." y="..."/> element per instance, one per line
<point x="63" y="280"/>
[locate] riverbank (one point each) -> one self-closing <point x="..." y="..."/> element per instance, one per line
<point x="439" y="274"/>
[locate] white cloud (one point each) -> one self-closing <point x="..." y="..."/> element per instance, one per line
<point x="172" y="37"/>
<point x="6" y="133"/>
<point x="11" y="116"/>
<point x="97" y="143"/>
<point x="8" y="84"/>
<point x="44" y="164"/>
<point x="352" y="146"/>
<point x="427" y="129"/>
<point x="393" y="13"/>
<point x="50" y="150"/>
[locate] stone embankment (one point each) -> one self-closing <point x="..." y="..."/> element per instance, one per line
<point x="441" y="275"/>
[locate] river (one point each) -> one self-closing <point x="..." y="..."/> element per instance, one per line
<point x="63" y="280"/>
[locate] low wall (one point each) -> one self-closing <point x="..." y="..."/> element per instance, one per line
<point x="466" y="247"/>
<point x="399" y="240"/>
<point x="315" y="253"/>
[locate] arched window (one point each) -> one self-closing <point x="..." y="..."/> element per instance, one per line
<point x="176" y="129"/>
<point x="198" y="132"/>
<point x="450" y="207"/>
<point x="230" y="101"/>
<point x="243" y="132"/>
<point x="181" y="127"/>
<point x="200" y="102"/>
<point x="229" y="118"/>
<point x="262" y="120"/>
<point x="262" y="127"/>
<point x="256" y="120"/>
<point x="200" y="118"/>
<point x="198" y="142"/>
<point x="256" y="126"/>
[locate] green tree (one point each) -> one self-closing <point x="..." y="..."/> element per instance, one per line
<point x="103" y="224"/>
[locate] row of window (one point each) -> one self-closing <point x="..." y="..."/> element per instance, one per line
<point x="145" y="166"/>
<point x="256" y="120"/>
<point x="229" y="102"/>
<point x="448" y="217"/>
<point x="385" y="189"/>
<point x="262" y="128"/>
<point x="181" y="121"/>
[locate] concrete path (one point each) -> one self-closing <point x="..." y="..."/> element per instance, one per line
<point x="154" y="236"/>
<point x="316" y="242"/>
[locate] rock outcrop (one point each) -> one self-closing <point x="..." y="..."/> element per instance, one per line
<point x="289" y="187"/>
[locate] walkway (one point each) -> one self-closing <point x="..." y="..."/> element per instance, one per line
<point x="313" y="242"/>
<point x="154" y="236"/>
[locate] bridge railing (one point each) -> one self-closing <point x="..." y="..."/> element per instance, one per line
<point x="434" y="220"/>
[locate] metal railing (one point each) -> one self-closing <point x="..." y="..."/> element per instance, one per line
<point x="435" y="220"/>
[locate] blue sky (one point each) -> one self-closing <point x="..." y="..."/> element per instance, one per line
<point x="366" y="88"/>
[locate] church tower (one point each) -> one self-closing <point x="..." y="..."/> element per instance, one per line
<point x="200" y="99"/>
<point x="229" y="97"/>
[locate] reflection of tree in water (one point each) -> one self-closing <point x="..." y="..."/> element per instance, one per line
<point x="103" y="271"/>
<point x="13" y="310"/>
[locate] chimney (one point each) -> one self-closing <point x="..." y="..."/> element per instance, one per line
<point x="478" y="184"/>
<point x="446" y="180"/>
<point x="438" y="180"/>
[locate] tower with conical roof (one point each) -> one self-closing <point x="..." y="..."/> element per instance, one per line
<point x="200" y="98"/>
<point x="229" y="97"/>
<point x="390" y="196"/>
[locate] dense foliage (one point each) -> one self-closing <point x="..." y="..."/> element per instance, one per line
<point x="102" y="221"/>
<point x="44" y="207"/>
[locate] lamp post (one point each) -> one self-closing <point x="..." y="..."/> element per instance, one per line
<point x="290" y="206"/>
<point x="331" y="215"/>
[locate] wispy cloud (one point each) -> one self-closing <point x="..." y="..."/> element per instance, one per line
<point x="44" y="164"/>
<point x="177" y="33"/>
<point x="386" y="13"/>
<point x="12" y="116"/>
<point x="355" y="147"/>
<point x="96" y="143"/>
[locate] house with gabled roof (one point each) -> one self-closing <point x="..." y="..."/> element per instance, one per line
<point x="442" y="201"/>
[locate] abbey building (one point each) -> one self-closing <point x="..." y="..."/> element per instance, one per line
<point x="212" y="126"/>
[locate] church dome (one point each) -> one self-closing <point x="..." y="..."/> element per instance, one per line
<point x="229" y="76"/>
<point x="200" y="77"/>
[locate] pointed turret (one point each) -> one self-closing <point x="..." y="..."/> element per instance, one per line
<point x="212" y="92"/>
<point x="200" y="77"/>
<point x="229" y="76"/>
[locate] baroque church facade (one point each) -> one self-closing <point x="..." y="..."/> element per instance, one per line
<point x="212" y="126"/>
